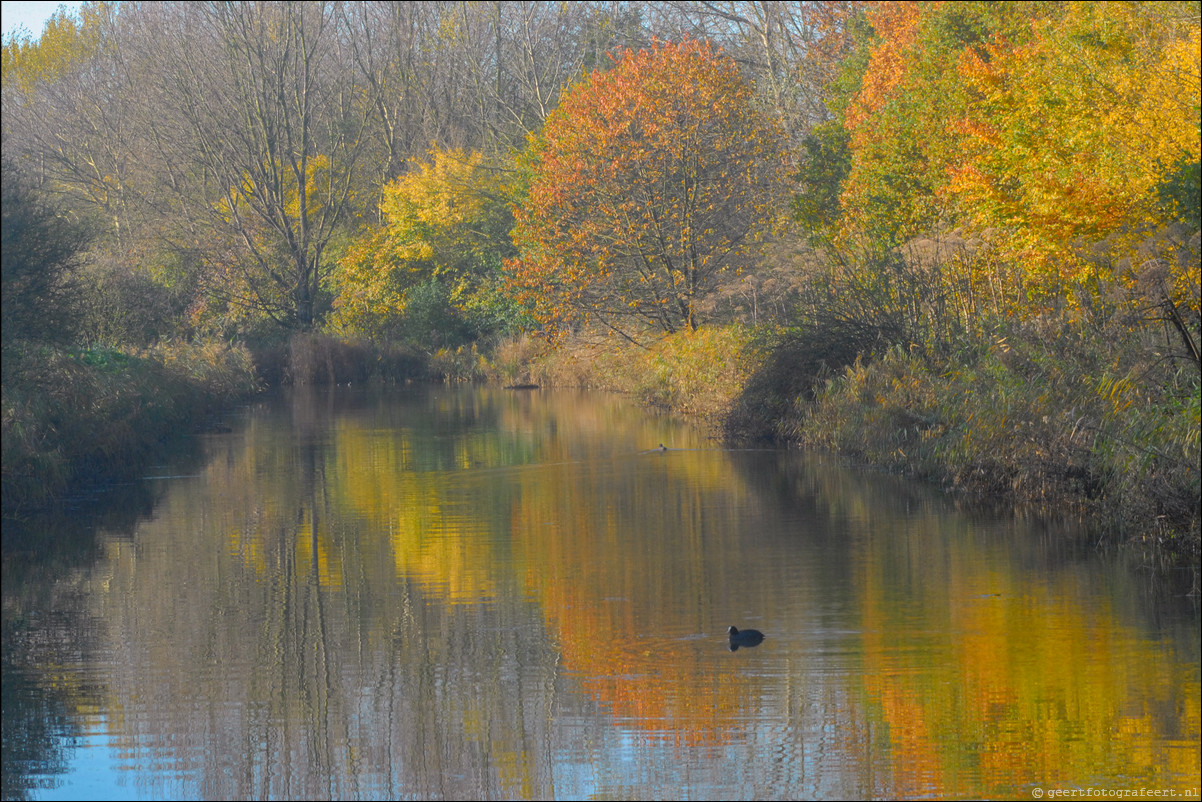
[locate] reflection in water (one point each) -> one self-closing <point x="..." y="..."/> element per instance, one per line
<point x="461" y="593"/>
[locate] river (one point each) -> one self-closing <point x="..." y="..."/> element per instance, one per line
<point x="463" y="593"/>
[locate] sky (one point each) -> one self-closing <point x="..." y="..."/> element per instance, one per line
<point x="32" y="15"/>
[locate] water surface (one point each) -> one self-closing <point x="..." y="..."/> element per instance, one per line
<point x="456" y="593"/>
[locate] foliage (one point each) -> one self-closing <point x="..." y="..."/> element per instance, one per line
<point x="1180" y="193"/>
<point x="262" y="148"/>
<point x="65" y="41"/>
<point x="433" y="269"/>
<point x="825" y="164"/>
<point x="1073" y="125"/>
<point x="1055" y="124"/>
<point x="693" y="372"/>
<point x="136" y="298"/>
<point x="900" y="148"/>
<point x="41" y="254"/>
<point x="650" y="182"/>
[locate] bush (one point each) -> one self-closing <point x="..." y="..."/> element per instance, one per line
<point x="40" y="255"/>
<point x="1051" y="413"/>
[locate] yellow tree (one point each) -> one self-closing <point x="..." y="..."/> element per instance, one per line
<point x="445" y="234"/>
<point x="1070" y="129"/>
<point x="649" y="181"/>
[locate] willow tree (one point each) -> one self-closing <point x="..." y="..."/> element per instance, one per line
<point x="261" y="130"/>
<point x="651" y="181"/>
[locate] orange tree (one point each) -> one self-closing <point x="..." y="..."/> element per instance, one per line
<point x="1053" y="123"/>
<point x="648" y="182"/>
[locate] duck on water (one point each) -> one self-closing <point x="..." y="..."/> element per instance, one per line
<point x="744" y="637"/>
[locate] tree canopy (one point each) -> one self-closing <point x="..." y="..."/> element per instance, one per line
<point x="650" y="182"/>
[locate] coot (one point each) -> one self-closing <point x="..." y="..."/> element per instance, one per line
<point x="744" y="637"/>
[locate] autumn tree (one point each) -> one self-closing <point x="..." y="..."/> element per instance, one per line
<point x="432" y="272"/>
<point x="1071" y="128"/>
<point x="790" y="51"/>
<point x="650" y="181"/>
<point x="1054" y="122"/>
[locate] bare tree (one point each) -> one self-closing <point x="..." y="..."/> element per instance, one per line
<point x="790" y="49"/>
<point x="260" y="131"/>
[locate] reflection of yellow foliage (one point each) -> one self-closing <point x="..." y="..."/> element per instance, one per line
<point x="314" y="551"/>
<point x="984" y="681"/>
<point x="433" y="541"/>
<point x="1036" y="687"/>
<point x="436" y="548"/>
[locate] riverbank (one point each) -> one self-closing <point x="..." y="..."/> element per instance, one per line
<point x="86" y="416"/>
<point x="1067" y="422"/>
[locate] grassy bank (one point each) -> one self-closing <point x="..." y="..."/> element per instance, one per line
<point x="1067" y="422"/>
<point x="85" y="416"/>
<point x="696" y="373"/>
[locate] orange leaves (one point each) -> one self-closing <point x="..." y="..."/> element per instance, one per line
<point x="649" y="180"/>
<point x="896" y="24"/>
<point x="1058" y="124"/>
<point x="1072" y="126"/>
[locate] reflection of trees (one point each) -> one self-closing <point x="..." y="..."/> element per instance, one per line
<point x="342" y="617"/>
<point x="980" y="679"/>
<point x="412" y="602"/>
<point x="311" y="669"/>
<point x="43" y="693"/>
<point x="48" y="633"/>
<point x="616" y="553"/>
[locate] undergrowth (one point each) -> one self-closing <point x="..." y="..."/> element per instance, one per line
<point x="80" y="416"/>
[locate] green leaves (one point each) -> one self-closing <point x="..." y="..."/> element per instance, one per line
<point x="435" y="264"/>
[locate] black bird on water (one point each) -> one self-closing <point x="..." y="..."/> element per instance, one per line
<point x="745" y="637"/>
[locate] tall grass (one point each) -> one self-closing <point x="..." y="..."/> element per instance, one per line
<point x="316" y="358"/>
<point x="1071" y="421"/>
<point x="81" y="416"/>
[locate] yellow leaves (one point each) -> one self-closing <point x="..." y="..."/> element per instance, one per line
<point x="317" y="187"/>
<point x="446" y="219"/>
<point x="260" y="188"/>
<point x="1070" y="132"/>
<point x="450" y="189"/>
<point x="65" y="43"/>
<point x="1056" y="125"/>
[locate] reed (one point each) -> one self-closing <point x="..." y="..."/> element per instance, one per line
<point x="307" y="358"/>
<point x="1075" y="422"/>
